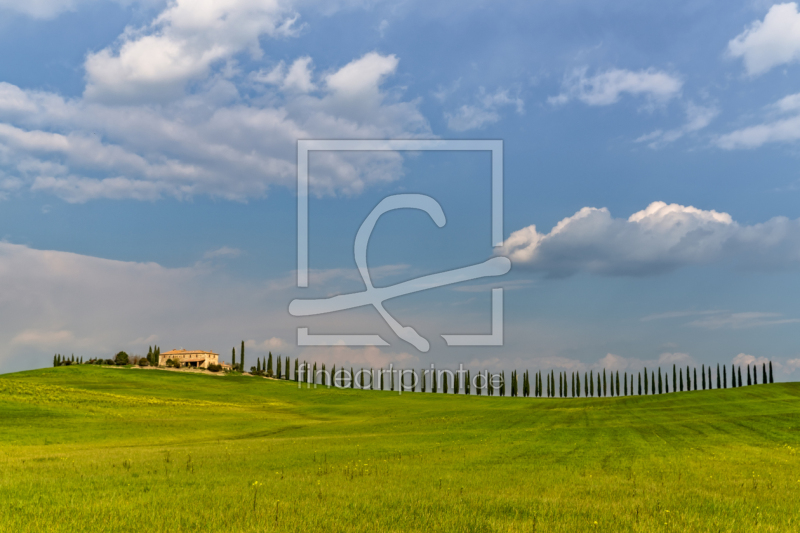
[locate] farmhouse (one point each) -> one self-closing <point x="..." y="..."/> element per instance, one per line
<point x="192" y="358"/>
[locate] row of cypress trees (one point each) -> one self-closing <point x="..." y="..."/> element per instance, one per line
<point x="549" y="385"/>
<point x="63" y="360"/>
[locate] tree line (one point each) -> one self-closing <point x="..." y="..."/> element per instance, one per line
<point x="539" y="384"/>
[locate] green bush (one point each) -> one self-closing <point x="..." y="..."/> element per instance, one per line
<point x="214" y="368"/>
<point x="121" y="359"/>
<point x="143" y="362"/>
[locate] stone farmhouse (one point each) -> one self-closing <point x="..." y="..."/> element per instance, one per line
<point x="189" y="358"/>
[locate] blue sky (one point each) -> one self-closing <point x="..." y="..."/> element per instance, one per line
<point x="652" y="193"/>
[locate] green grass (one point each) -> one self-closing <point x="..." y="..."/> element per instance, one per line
<point x="84" y="448"/>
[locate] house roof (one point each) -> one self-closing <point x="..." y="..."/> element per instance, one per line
<point x="188" y="352"/>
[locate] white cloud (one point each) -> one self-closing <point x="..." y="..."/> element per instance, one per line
<point x="162" y="114"/>
<point x="43" y="339"/>
<point x="697" y="118"/>
<point x="155" y="63"/>
<point x="661" y="238"/>
<point x="484" y="112"/>
<point x="69" y="303"/>
<point x="225" y="251"/>
<point x="82" y="150"/>
<point x="771" y="42"/>
<point x="267" y="345"/>
<point x="47" y="9"/>
<point x="718" y="319"/>
<point x="606" y="88"/>
<point x="297" y="79"/>
<point x="746" y="359"/>
<point x="742" y="320"/>
<point x="773" y="130"/>
<point x="367" y="357"/>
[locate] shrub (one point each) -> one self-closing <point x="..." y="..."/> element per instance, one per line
<point x="214" y="368"/>
<point x="143" y="362"/>
<point x="121" y="359"/>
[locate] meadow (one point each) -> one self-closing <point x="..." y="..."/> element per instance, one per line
<point x="88" y="448"/>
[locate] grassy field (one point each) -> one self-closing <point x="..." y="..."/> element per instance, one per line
<point x="85" y="448"/>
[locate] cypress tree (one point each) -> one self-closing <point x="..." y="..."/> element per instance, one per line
<point x="617" y="382"/>
<point x="314" y="374"/>
<point x="724" y="377"/>
<point x="653" y="381"/>
<point x="739" y="372"/>
<point x="659" y="380"/>
<point x="646" y="388"/>
<point x="626" y="384"/>
<point x="599" y="386"/>
<point x="749" y="382"/>
<point x="55" y="361"/>
<point x="585" y="385"/>
<point x="604" y="383"/>
<point x="434" y="385"/>
<point x="688" y="379"/>
<point x="548" y="385"/>
<point x="591" y="384"/>
<point x="233" y="358"/>
<point x="382" y="388"/>
<point x="709" y="377"/>
<point x="467" y="384"/>
<point x="489" y="384"/>
<point x="269" y="365"/>
<point x="639" y="388"/>
<point x="241" y="355"/>
<point x="666" y="383"/>
<point x="694" y="372"/>
<point x="296" y="372"/>
<point x="423" y="381"/>
<point x="770" y="373"/>
<point x="278" y="367"/>
<point x="681" y="379"/>
<point x="674" y="381"/>
<point x="258" y="364"/>
<point x="719" y="381"/>
<point x="703" y="373"/>
<point x="764" y="374"/>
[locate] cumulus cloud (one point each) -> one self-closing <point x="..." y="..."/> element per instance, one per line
<point x="168" y="112"/>
<point x="266" y="345"/>
<point x="606" y="88"/>
<point x="485" y="111"/>
<point x="658" y="239"/>
<point x="155" y="63"/>
<point x="746" y="359"/>
<point x="771" y="42"/>
<point x="81" y="150"/>
<point x="777" y="127"/>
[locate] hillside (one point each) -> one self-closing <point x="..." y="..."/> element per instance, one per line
<point x="114" y="449"/>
